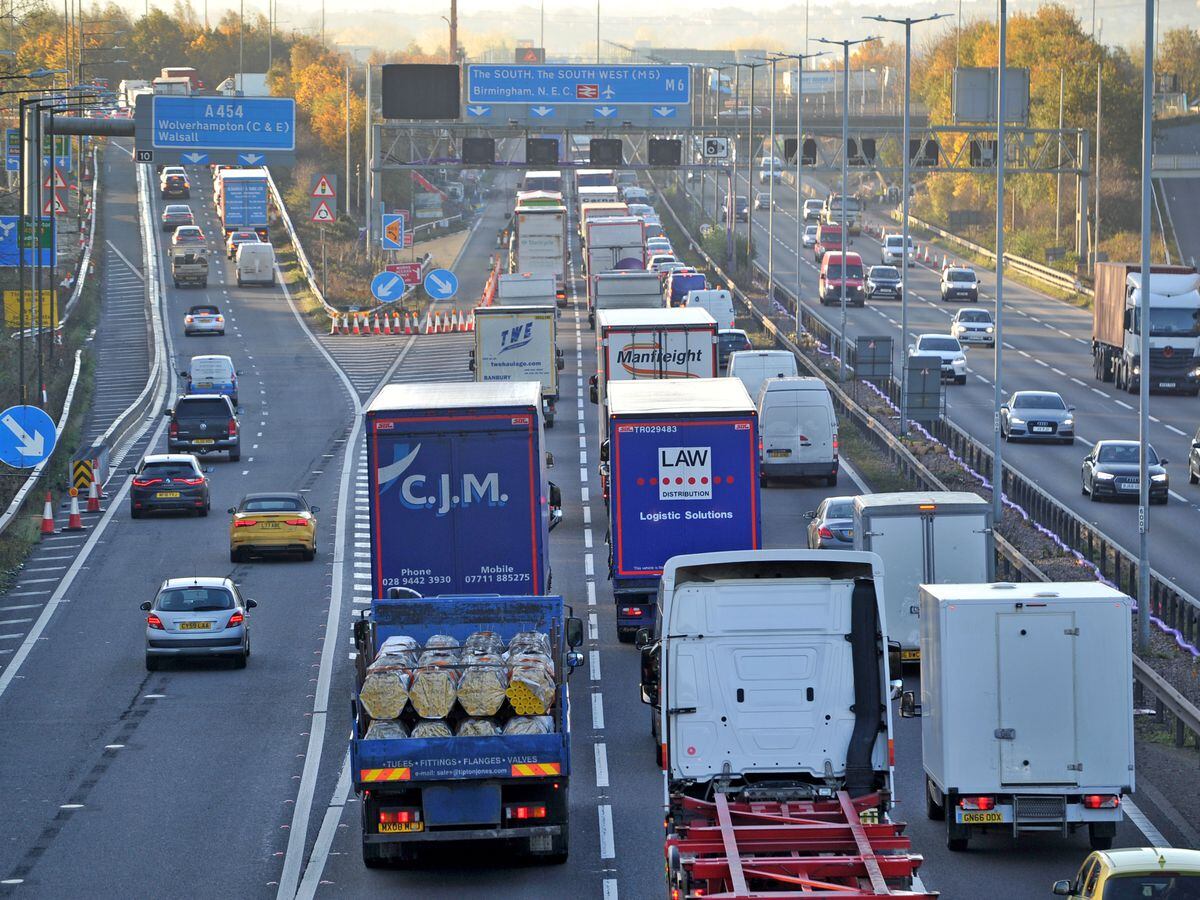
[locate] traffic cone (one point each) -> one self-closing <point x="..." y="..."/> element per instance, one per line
<point x="333" y="324"/>
<point x="437" y="323"/>
<point x="48" y="516"/>
<point x="408" y="323"/>
<point x="345" y="323"/>
<point x="74" y="520"/>
<point x="387" y="324"/>
<point x="93" y="503"/>
<point x="396" y="326"/>
<point x="376" y="330"/>
<point x="471" y="321"/>
<point x="355" y="329"/>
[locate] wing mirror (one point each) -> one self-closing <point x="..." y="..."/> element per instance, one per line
<point x="168" y="412"/>
<point x="574" y="631"/>
<point x="549" y="460"/>
<point x="251" y="604"/>
<point x="1061" y="888"/>
<point x="909" y="708"/>
<point x="146" y="607"/>
<point x="604" y="451"/>
<point x="1004" y="407"/>
<point x="231" y="510"/>
<point x="183" y="374"/>
<point x="314" y="509"/>
<point x="1163" y="462"/>
<point x="594" y="389"/>
<point x="644" y="638"/>
<point x="811" y="514"/>
<point x="1070" y="409"/>
<point x="561" y="363"/>
<point x="556" y="513"/>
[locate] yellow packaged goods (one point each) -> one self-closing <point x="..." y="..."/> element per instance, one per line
<point x="400" y="645"/>
<point x="530" y="688"/>
<point x="529" y="725"/>
<point x="481" y="688"/>
<point x="433" y="689"/>
<point x="477" y="728"/>
<point x="439" y="657"/>
<point x="385" y="729"/>
<point x="432" y="728"/>
<point x="385" y="688"/>
<point x="485" y="642"/>
<point x="530" y="642"/>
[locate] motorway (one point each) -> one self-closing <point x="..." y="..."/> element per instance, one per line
<point x="108" y="764"/>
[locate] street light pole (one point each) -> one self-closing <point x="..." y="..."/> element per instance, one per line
<point x="753" y="67"/>
<point x="845" y="45"/>
<point x="771" y="187"/>
<point x="997" y="442"/>
<point x="1143" y="609"/>
<point x="905" y="149"/>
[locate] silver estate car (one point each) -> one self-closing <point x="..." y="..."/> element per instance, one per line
<point x="197" y="617"/>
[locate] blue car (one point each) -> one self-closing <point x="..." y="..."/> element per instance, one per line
<point x="212" y="374"/>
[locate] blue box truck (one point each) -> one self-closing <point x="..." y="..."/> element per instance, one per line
<point x="682" y="464"/>
<point x="501" y="787"/>
<point x="460" y="501"/>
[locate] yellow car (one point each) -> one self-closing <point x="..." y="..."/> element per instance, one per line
<point x="278" y="522"/>
<point x="1159" y="873"/>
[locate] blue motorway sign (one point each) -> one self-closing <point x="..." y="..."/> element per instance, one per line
<point x="9" y="257"/>
<point x="223" y="123"/>
<point x="27" y="436"/>
<point x="12" y="150"/>
<point x="441" y="284"/>
<point x="387" y="286"/>
<point x="194" y="158"/>
<point x="393" y="231"/>
<point x="645" y="85"/>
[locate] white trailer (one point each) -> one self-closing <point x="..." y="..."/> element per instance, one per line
<point x="525" y="290"/>
<point x="1027" y="708"/>
<point x="519" y="343"/>
<point x="942" y="537"/>
<point x="623" y="290"/>
<point x="540" y="244"/>
<point x="615" y="244"/>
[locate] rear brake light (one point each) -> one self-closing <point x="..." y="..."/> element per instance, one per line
<point x="297" y="521"/>
<point x="173" y="430"/>
<point x="634" y="611"/>
<point x="399" y="816"/>
<point x="190" y="481"/>
<point x="980" y="803"/>
<point x="1101" y="801"/>
<point x="525" y="812"/>
<point x="244" y="523"/>
<point x="153" y="621"/>
<point x="220" y="318"/>
<point x="236" y="619"/>
<point x="233" y="427"/>
<point x="146" y="482"/>
<point x="825" y="532"/>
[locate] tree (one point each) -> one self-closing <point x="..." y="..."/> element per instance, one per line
<point x="1179" y="55"/>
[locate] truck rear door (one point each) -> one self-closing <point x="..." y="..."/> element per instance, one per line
<point x="901" y="541"/>
<point x="1036" y="730"/>
<point x="959" y="550"/>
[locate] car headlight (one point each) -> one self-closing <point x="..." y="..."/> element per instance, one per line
<point x="989" y="329"/>
<point x="1103" y="476"/>
<point x="1196" y="373"/>
<point x="1137" y="370"/>
<point x="1068" y="423"/>
<point x="1015" y="420"/>
<point x="1160" y="477"/>
<point x="960" y="361"/>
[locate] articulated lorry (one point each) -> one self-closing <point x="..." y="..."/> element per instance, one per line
<point x="539" y="241"/>
<point x="500" y="777"/>
<point x="1174" y="363"/>
<point x="519" y="343"/>
<point x="680" y="464"/>
<point x="460" y="501"/>
<point x="767" y="674"/>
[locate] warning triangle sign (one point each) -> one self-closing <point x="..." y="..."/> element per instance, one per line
<point x="54" y="179"/>
<point x="393" y="232"/>
<point x="323" y="213"/>
<point x="323" y="188"/>
<point x="54" y="205"/>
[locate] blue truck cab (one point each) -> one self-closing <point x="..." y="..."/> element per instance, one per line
<point x="681" y="463"/>
<point x="506" y="787"/>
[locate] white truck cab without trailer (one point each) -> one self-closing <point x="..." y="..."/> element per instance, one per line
<point x="766" y="671"/>
<point x="798" y="430"/>
<point x="939" y="537"/>
<point x="1026" y="708"/>
<point x="754" y="367"/>
<point x="254" y="263"/>
<point x="717" y="301"/>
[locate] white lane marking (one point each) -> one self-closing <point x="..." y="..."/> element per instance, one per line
<point x="1084" y="441"/>
<point x="1064" y="333"/>
<point x="583" y="492"/>
<point x="598" y="711"/>
<point x="1078" y="382"/>
<point x="1080" y="341"/>
<point x="1138" y="818"/>
<point x="593" y="627"/>
<point x="601" y="765"/>
<point x="610" y="888"/>
<point x="607" y="848"/>
<point x="312" y="875"/>
<point x="1122" y="402"/>
<point x="587" y="538"/>
<point x="587" y="515"/>
<point x="594" y="665"/>
<point x="1042" y="363"/>
<point x="1176" y="430"/>
<point x="8" y="609"/>
<point x="591" y="593"/>
<point x="583" y="476"/>
<point x="589" y="565"/>
<point x="1100" y="392"/>
<point x="1059" y="372"/>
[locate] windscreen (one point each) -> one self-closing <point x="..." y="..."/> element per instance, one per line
<point x="273" y="504"/>
<point x="1039" y="401"/>
<point x="885" y="273"/>
<point x="1153" y="886"/>
<point x="1125" y="454"/>
<point x="853" y="270"/>
<point x="940" y="344"/>
<point x="195" y="599"/>
<point x="197" y="408"/>
<point x="166" y="470"/>
<point x="960" y="275"/>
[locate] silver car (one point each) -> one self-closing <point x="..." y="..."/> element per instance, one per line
<point x="203" y="319"/>
<point x="197" y="617"/>
<point x="810" y="235"/>
<point x="831" y="525"/>
<point x="1037" y="415"/>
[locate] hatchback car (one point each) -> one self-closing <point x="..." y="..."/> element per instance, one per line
<point x="831" y="525"/>
<point x="954" y="362"/>
<point x="810" y="235"/>
<point x="176" y="214"/>
<point x="974" y="326"/>
<point x="1111" y="470"/>
<point x="730" y="341"/>
<point x="279" y="522"/>
<point x="1135" y="872"/>
<point x="187" y="235"/>
<point x="1038" y="416"/>
<point x="762" y="200"/>
<point x="960" y="284"/>
<point x="174" y="186"/>
<point x="741" y="209"/>
<point x="239" y="237"/>
<point x="883" y="283"/>
<point x="199" y="616"/>
<point x="169" y="482"/>
<point x="205" y="318"/>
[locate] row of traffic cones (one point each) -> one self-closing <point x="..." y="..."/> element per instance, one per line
<point x="75" y="517"/>
<point x="449" y="322"/>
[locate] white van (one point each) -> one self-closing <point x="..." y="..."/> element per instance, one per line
<point x="255" y="263"/>
<point x="756" y="366"/>
<point x="798" y="430"/>
<point x="718" y="303"/>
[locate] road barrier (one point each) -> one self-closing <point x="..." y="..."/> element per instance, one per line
<point x="1177" y="612"/>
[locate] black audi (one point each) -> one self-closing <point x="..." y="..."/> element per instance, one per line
<point x="1111" y="470"/>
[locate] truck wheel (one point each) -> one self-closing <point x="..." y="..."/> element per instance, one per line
<point x="956" y="836"/>
<point x="372" y="856"/>
<point x="151" y="663"/>
<point x="560" y="848"/>
<point x="933" y="811"/>
<point x="1100" y="836"/>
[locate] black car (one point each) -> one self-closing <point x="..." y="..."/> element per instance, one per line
<point x="175" y="187"/>
<point x="729" y="341"/>
<point x="204" y="423"/>
<point x="1111" y="470"/>
<point x="883" y="282"/>
<point x="741" y="209"/>
<point x="169" y="482"/>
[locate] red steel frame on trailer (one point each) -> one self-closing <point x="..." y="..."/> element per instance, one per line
<point x="780" y="850"/>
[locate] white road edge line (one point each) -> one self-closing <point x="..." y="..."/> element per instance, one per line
<point x="1139" y="819"/>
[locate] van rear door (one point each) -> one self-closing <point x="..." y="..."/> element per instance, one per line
<point x="780" y="424"/>
<point x="817" y="428"/>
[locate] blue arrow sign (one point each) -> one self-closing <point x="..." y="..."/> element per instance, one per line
<point x="605" y="112"/>
<point x="479" y="111"/>
<point x="665" y="112"/>
<point x="441" y="284"/>
<point x="542" y="112"/>
<point x="251" y="159"/>
<point x="195" y="158"/>
<point x="387" y="286"/>
<point x="223" y="123"/>
<point x="649" y="85"/>
<point x="27" y="436"/>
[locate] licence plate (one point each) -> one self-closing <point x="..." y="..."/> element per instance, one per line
<point x="268" y="525"/>
<point x="204" y="384"/>
<point x="1127" y="487"/>
<point x="779" y="453"/>
<point x="399" y="827"/>
<point x="981" y="818"/>
<point x="204" y="441"/>
<point x="1167" y="384"/>
<point x="540" y="843"/>
<point x="195" y="626"/>
<point x="1042" y="429"/>
<point x="166" y="495"/>
<point x="906" y="655"/>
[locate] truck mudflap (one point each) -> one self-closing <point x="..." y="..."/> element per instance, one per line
<point x="777" y="850"/>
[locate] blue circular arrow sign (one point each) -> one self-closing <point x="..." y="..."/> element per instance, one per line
<point x="27" y="436"/>
<point x="387" y="286"/>
<point x="441" y="284"/>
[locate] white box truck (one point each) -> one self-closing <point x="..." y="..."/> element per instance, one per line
<point x="623" y="290"/>
<point x="941" y="537"/>
<point x="1026" y="708"/>
<point x="540" y="244"/>
<point x="519" y="343"/>
<point x="614" y="244"/>
<point x="525" y="289"/>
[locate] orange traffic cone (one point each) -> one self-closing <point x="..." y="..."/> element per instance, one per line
<point x="345" y="323"/>
<point x="376" y="329"/>
<point x="93" y="503"/>
<point x="428" y="322"/>
<point x="462" y="320"/>
<point x="396" y="326"/>
<point x="387" y="324"/>
<point x="471" y="321"/>
<point x="408" y="323"/>
<point x="333" y="324"/>
<point x="74" y="520"/>
<point x="48" y="516"/>
<point x="437" y="323"/>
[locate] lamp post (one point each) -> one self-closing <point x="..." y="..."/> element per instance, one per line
<point x="771" y="61"/>
<point x="908" y="23"/>
<point x="997" y="443"/>
<point x="1143" y="610"/>
<point x="845" y="45"/>
<point x="753" y="67"/>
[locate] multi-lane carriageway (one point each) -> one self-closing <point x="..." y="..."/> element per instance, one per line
<point x="201" y="780"/>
